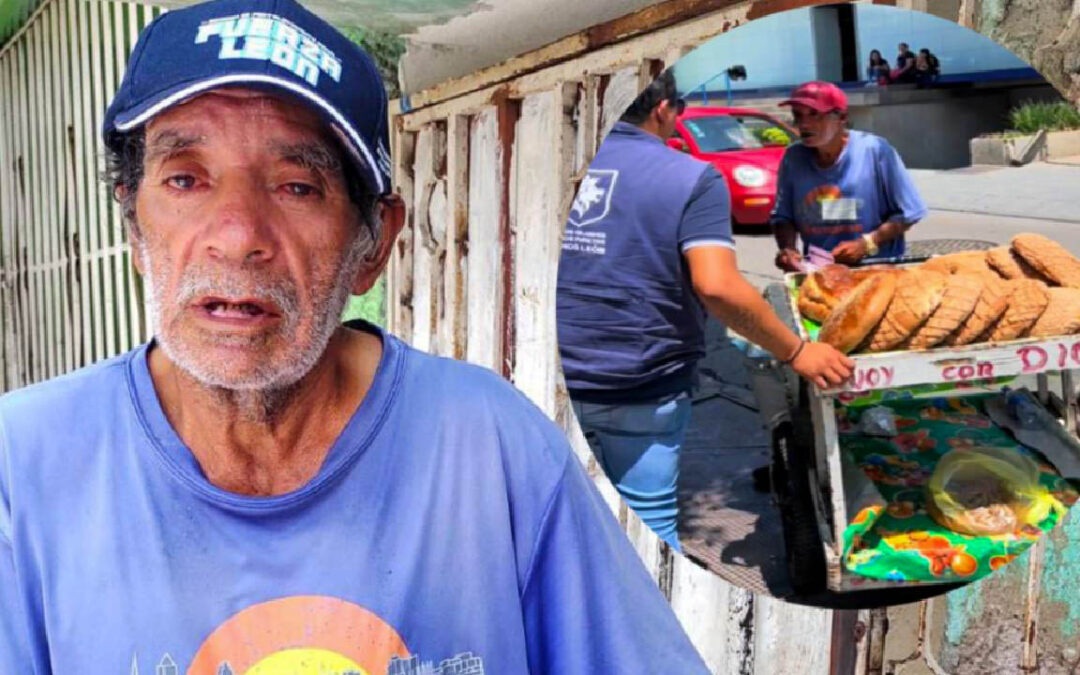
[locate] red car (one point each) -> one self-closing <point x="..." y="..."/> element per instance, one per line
<point x="745" y="146"/>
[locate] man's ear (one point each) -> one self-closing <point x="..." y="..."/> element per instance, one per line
<point x="392" y="218"/>
<point x="661" y="109"/>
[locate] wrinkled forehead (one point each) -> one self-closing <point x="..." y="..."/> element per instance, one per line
<point x="237" y="108"/>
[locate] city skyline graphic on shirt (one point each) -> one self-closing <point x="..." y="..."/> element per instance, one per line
<point x="308" y="635"/>
<point x="465" y="663"/>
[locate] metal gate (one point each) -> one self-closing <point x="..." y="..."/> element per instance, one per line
<point x="68" y="293"/>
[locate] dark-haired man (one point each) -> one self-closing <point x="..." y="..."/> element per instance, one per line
<point x="647" y="254"/>
<point x="261" y="489"/>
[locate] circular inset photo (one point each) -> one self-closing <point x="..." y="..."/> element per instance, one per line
<point x="819" y="306"/>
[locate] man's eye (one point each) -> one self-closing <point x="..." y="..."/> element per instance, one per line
<point x="182" y="181"/>
<point x="300" y="189"/>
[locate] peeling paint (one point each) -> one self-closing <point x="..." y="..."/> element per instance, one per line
<point x="1059" y="575"/>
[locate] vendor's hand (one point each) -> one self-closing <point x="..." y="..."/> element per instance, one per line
<point x="850" y="252"/>
<point x="788" y="259"/>
<point x="823" y="364"/>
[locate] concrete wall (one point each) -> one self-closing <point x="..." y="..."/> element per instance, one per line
<point x="825" y="27"/>
<point x="932" y="129"/>
<point x="960" y="50"/>
<point x="776" y="50"/>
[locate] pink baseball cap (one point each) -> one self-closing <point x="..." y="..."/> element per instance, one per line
<point x="820" y="96"/>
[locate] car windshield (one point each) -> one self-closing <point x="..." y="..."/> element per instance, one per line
<point x="721" y="133"/>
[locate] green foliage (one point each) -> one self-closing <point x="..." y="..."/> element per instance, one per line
<point x="773" y="136"/>
<point x="1031" y="116"/>
<point x="370" y="307"/>
<point x="386" y="48"/>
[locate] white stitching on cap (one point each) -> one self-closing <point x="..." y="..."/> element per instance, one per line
<point x="291" y="86"/>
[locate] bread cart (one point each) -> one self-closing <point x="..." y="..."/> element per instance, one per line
<point x="813" y="484"/>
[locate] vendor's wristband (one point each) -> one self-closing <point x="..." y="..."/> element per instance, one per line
<point x="872" y="247"/>
<point x="798" y="350"/>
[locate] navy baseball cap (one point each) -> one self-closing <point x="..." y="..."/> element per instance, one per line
<point x="262" y="44"/>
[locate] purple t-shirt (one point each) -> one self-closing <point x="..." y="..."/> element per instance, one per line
<point x="450" y="529"/>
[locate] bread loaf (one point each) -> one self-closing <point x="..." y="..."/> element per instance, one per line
<point x="992" y="303"/>
<point x="1049" y="258"/>
<point x="858" y="313"/>
<point x="1028" y="299"/>
<point x="1062" y="314"/>
<point x="918" y="293"/>
<point x="1009" y="265"/>
<point x="823" y="289"/>
<point x="962" y="292"/>
<point x="953" y="263"/>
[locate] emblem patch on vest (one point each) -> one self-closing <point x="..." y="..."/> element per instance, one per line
<point x="593" y="200"/>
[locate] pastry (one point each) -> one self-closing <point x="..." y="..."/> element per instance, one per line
<point x="824" y="289"/>
<point x="1010" y="265"/>
<point x="1028" y="299"/>
<point x="961" y="294"/>
<point x="964" y="261"/>
<point x="918" y="293"/>
<point x="1049" y="258"/>
<point x="1062" y="314"/>
<point x="992" y="302"/>
<point x="858" y="313"/>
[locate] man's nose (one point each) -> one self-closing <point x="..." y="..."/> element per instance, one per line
<point x="238" y="229"/>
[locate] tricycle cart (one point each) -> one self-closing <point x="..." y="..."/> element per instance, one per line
<point x="815" y="486"/>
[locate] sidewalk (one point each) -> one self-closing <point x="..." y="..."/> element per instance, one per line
<point x="1040" y="190"/>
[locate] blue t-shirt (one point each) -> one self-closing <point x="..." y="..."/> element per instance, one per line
<point x="630" y="325"/>
<point x="450" y="524"/>
<point x="867" y="185"/>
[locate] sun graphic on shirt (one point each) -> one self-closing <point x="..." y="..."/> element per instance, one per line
<point x="301" y="635"/>
<point x="306" y="662"/>
<point x="823" y="193"/>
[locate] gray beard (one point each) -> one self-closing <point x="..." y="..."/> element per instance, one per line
<point x="263" y="394"/>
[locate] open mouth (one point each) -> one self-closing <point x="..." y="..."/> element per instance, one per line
<point x="224" y="308"/>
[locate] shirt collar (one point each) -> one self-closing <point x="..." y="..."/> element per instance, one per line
<point x="633" y="130"/>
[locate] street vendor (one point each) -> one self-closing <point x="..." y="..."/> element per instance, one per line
<point x="841" y="190"/>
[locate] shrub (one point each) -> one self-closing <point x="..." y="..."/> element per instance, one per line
<point x="1031" y="116"/>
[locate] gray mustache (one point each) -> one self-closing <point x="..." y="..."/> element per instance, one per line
<point x="283" y="294"/>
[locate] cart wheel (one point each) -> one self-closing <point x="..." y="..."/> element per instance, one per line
<point x="791" y="486"/>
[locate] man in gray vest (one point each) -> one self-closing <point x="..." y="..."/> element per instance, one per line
<point x="647" y="254"/>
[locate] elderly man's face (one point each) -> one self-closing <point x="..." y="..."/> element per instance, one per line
<point x="246" y="237"/>
<point x="816" y="129"/>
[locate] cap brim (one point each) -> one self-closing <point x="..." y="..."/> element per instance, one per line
<point x="809" y="103"/>
<point x="363" y="157"/>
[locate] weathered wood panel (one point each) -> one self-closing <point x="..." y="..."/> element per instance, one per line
<point x="424" y="247"/>
<point x="452" y="317"/>
<point x="542" y="177"/>
<point x="485" y="290"/>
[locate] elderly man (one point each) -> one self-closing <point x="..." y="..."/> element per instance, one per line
<point x="260" y="489"/>
<point x="844" y="191"/>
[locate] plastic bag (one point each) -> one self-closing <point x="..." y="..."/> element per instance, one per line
<point x="986" y="490"/>
<point x="878" y="421"/>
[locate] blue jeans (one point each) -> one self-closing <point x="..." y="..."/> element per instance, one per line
<point x="637" y="445"/>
